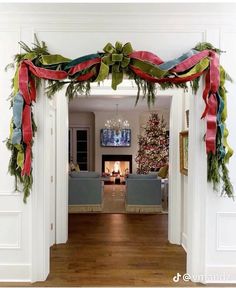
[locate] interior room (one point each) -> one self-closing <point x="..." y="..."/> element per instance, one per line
<point x="117" y="152"/>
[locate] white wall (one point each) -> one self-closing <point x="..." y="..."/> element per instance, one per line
<point x="100" y="119"/>
<point x="168" y="31"/>
<point x="15" y="217"/>
<point x="221" y="236"/>
<point x="85" y="119"/>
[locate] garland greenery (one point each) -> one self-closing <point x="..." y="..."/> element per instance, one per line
<point x="147" y="70"/>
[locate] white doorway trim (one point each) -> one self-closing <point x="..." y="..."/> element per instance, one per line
<point x="175" y="201"/>
<point x="40" y="249"/>
<point x="174" y="219"/>
<point x="62" y="161"/>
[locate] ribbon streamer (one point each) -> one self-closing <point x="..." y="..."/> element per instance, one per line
<point x="17" y="118"/>
<point x="211" y="114"/>
<point x="211" y="124"/>
<point x="27" y="138"/>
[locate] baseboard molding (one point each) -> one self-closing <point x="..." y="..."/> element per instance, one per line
<point x="184" y="241"/>
<point x="221" y="274"/>
<point x="15" y="273"/>
<point x="143" y="208"/>
<point x="84" y="208"/>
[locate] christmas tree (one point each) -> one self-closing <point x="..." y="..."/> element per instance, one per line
<point x="153" y="146"/>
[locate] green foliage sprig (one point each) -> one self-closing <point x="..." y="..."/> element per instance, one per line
<point x="77" y="88"/>
<point x="217" y="170"/>
<point x="218" y="174"/>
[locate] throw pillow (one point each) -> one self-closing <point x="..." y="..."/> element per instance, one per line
<point x="77" y="169"/>
<point x="163" y="172"/>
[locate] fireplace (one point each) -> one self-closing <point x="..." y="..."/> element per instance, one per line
<point x="116" y="164"/>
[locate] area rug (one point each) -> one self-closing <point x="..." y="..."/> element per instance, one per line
<point x="114" y="199"/>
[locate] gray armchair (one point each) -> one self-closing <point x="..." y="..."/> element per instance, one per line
<point x="143" y="193"/>
<point x="85" y="192"/>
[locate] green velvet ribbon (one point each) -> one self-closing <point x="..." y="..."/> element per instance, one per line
<point x="118" y="58"/>
<point x="199" y="67"/>
<point x="53" y="59"/>
<point x="16" y="81"/>
<point x="103" y="72"/>
<point x="149" y="68"/>
<point x="20" y="155"/>
<point x="30" y="56"/>
<point x="223" y="95"/>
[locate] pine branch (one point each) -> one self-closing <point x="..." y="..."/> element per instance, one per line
<point x="54" y="87"/>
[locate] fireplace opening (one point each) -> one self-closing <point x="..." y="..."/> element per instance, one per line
<point x="117" y="167"/>
<point x="113" y="168"/>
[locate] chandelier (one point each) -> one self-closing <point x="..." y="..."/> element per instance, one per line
<point x="117" y="123"/>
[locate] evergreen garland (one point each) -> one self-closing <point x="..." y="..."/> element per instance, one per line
<point x="217" y="170"/>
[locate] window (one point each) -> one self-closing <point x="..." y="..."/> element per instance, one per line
<point x="70" y="157"/>
<point x="79" y="147"/>
<point x="82" y="149"/>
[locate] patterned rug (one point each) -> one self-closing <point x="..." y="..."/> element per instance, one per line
<point x="114" y="199"/>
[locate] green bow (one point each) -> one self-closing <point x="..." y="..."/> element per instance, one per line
<point x="118" y="58"/>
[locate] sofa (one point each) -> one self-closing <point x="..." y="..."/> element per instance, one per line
<point x="85" y="192"/>
<point x="143" y="193"/>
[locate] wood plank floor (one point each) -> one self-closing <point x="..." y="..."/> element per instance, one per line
<point x="115" y="250"/>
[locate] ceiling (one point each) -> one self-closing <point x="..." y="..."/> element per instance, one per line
<point x="103" y="98"/>
<point x="108" y="103"/>
<point x="121" y="6"/>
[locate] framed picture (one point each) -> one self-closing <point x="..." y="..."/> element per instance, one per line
<point x="183" y="145"/>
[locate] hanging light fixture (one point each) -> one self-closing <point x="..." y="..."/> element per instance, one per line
<point x="117" y="123"/>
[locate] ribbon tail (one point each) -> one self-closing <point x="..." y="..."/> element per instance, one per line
<point x="103" y="72"/>
<point x="27" y="138"/>
<point x="206" y="93"/>
<point x="27" y="164"/>
<point x="211" y="124"/>
<point x="117" y="77"/>
<point x="32" y="89"/>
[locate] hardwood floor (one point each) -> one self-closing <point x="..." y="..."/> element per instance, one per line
<point x="115" y="250"/>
